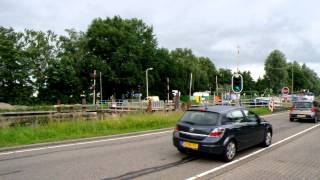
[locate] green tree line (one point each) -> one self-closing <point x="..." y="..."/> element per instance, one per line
<point x="39" y="67"/>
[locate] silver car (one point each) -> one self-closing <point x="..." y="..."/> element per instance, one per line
<point x="305" y="110"/>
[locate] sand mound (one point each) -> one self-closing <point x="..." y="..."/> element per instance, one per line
<point x="5" y="106"/>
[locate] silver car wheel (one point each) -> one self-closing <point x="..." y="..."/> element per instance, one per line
<point x="268" y="138"/>
<point x="231" y="150"/>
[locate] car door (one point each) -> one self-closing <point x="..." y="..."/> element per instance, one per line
<point x="241" y="130"/>
<point x="257" y="130"/>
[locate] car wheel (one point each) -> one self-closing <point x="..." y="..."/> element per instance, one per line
<point x="291" y="119"/>
<point x="267" y="139"/>
<point x="230" y="151"/>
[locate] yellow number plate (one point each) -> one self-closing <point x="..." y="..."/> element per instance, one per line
<point x="193" y="146"/>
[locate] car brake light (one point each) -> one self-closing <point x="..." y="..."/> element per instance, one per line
<point x="176" y="128"/>
<point x="217" y="132"/>
<point x="314" y="109"/>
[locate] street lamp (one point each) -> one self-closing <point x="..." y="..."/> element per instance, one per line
<point x="147" y="79"/>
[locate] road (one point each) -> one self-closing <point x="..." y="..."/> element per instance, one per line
<point x="143" y="157"/>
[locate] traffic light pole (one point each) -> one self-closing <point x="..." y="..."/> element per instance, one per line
<point x="237" y="85"/>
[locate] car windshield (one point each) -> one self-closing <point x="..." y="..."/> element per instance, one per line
<point x="200" y="118"/>
<point x="303" y="105"/>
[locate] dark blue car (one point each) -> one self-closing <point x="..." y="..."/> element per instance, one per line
<point x="222" y="130"/>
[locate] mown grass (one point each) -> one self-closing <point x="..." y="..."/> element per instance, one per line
<point x="74" y="129"/>
<point x="81" y="128"/>
<point x="260" y="110"/>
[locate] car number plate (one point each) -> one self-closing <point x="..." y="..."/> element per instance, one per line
<point x="301" y="116"/>
<point x="193" y="146"/>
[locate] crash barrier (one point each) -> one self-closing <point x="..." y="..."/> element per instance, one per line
<point x="137" y="106"/>
<point x="275" y="103"/>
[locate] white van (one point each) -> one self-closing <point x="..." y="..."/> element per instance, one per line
<point x="152" y="98"/>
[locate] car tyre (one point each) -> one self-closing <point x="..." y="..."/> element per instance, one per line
<point x="267" y="140"/>
<point x="230" y="151"/>
<point x="291" y="119"/>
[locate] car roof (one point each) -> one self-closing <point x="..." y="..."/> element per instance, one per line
<point x="216" y="109"/>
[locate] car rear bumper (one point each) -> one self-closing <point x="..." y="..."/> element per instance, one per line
<point x="302" y="116"/>
<point x="211" y="148"/>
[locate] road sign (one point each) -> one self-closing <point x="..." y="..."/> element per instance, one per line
<point x="237" y="83"/>
<point x="285" y="90"/>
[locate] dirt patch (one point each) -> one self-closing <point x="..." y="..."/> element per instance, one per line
<point x="6" y="106"/>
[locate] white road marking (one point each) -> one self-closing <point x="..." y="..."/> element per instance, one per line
<point x="92" y="142"/>
<point x="81" y="143"/>
<point x="249" y="155"/>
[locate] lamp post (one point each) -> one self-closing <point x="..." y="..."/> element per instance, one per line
<point x="292" y="78"/>
<point x="149" y="69"/>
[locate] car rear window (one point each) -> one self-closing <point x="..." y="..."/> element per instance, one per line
<point x="303" y="105"/>
<point x="200" y="118"/>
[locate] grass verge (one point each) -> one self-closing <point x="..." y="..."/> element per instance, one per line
<point x="80" y="128"/>
<point x="73" y="129"/>
<point x="260" y="110"/>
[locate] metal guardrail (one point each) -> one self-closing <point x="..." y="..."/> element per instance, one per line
<point x="133" y="106"/>
<point x="142" y="105"/>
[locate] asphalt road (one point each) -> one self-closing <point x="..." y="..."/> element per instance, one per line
<point x="142" y="157"/>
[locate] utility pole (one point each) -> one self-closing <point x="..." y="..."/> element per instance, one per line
<point x="238" y="47"/>
<point x="190" y="86"/>
<point x="292" y="78"/>
<point x="168" y="90"/>
<point x="94" y="87"/>
<point x="217" y="84"/>
<point x="100" y="88"/>
<point x="147" y="83"/>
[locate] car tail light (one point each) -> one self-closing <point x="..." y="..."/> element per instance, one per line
<point x="217" y="132"/>
<point x="314" y="109"/>
<point x="176" y="128"/>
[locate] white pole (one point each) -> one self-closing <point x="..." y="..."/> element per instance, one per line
<point x="238" y="58"/>
<point x="94" y="87"/>
<point x="217" y="83"/>
<point x="147" y="80"/>
<point x="147" y="83"/>
<point x="168" y="88"/>
<point x="190" y="86"/>
<point x="100" y="88"/>
<point x="292" y="78"/>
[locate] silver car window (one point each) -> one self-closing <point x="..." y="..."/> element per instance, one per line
<point x="235" y="116"/>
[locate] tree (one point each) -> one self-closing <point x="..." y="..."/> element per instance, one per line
<point x="123" y="49"/>
<point x="262" y="84"/>
<point x="40" y="50"/>
<point x="312" y="80"/>
<point x="15" y="77"/>
<point x="275" y="68"/>
<point x="224" y="78"/>
<point x="248" y="82"/>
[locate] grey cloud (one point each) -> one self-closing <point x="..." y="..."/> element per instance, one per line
<point x="210" y="28"/>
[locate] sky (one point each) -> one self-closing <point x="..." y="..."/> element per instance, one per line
<point x="211" y="28"/>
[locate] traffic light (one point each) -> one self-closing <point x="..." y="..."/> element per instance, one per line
<point x="237" y="83"/>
